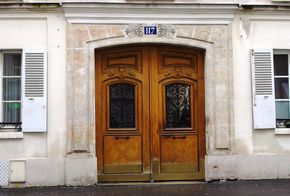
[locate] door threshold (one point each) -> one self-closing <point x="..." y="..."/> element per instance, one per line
<point x="149" y="183"/>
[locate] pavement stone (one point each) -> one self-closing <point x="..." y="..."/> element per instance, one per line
<point x="218" y="188"/>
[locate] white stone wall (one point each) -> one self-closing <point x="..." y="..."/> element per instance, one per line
<point x="256" y="154"/>
<point x="256" y="31"/>
<point x="43" y="152"/>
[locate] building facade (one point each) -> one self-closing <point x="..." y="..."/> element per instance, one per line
<point x="98" y="91"/>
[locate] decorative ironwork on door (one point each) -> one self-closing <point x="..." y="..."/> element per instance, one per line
<point x="178" y="105"/>
<point x="122" y="105"/>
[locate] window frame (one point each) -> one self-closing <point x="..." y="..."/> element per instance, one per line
<point x="134" y="87"/>
<point x="280" y="52"/>
<point x="3" y="126"/>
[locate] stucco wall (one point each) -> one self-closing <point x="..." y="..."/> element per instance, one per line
<point x="256" y="30"/>
<point x="40" y="30"/>
<point x="256" y="154"/>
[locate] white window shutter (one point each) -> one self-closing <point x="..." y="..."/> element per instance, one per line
<point x="34" y="91"/>
<point x="264" y="116"/>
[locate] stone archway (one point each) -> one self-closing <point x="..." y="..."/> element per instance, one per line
<point x="83" y="41"/>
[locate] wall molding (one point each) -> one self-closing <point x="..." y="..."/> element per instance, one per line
<point x="128" y="13"/>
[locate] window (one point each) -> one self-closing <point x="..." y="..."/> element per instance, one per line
<point x="23" y="90"/>
<point x="281" y="84"/>
<point x="270" y="79"/>
<point x="10" y="91"/>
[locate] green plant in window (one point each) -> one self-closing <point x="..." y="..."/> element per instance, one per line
<point x="14" y="106"/>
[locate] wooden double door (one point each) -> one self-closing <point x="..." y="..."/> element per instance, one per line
<point x="150" y="117"/>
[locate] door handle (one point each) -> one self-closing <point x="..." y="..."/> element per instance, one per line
<point x="122" y="137"/>
<point x="179" y="137"/>
<point x="176" y="136"/>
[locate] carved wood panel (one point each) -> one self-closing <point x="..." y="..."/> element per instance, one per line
<point x="122" y="154"/>
<point x="172" y="58"/>
<point x="179" y="153"/>
<point x="122" y="57"/>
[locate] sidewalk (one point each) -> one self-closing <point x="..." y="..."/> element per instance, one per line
<point x="225" y="188"/>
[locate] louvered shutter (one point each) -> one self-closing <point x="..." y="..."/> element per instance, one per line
<point x="34" y="91"/>
<point x="263" y="89"/>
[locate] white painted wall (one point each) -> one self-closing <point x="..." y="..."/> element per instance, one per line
<point x="39" y="30"/>
<point x="255" y="31"/>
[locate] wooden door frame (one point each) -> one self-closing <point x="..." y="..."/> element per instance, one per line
<point x="179" y="45"/>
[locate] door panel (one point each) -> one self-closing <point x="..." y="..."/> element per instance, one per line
<point x="149" y="113"/>
<point x="122" y="114"/>
<point x="179" y="153"/>
<point x="177" y="104"/>
<point x="122" y="154"/>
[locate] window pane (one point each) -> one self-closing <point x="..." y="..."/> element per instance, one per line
<point x="11" y="112"/>
<point x="11" y="89"/>
<point x="178" y="106"/>
<point x="12" y="64"/>
<point x="281" y="65"/>
<point x="282" y="110"/>
<point x="281" y="88"/>
<point x="122" y="106"/>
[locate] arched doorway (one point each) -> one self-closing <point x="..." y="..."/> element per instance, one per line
<point x="150" y="113"/>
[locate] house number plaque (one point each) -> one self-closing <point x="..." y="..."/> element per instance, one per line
<point x="152" y="30"/>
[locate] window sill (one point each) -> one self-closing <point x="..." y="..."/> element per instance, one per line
<point x="11" y="135"/>
<point x="282" y="131"/>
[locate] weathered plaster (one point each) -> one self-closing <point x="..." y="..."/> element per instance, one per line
<point x="264" y="166"/>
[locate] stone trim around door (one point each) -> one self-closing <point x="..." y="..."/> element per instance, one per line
<point x="84" y="39"/>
